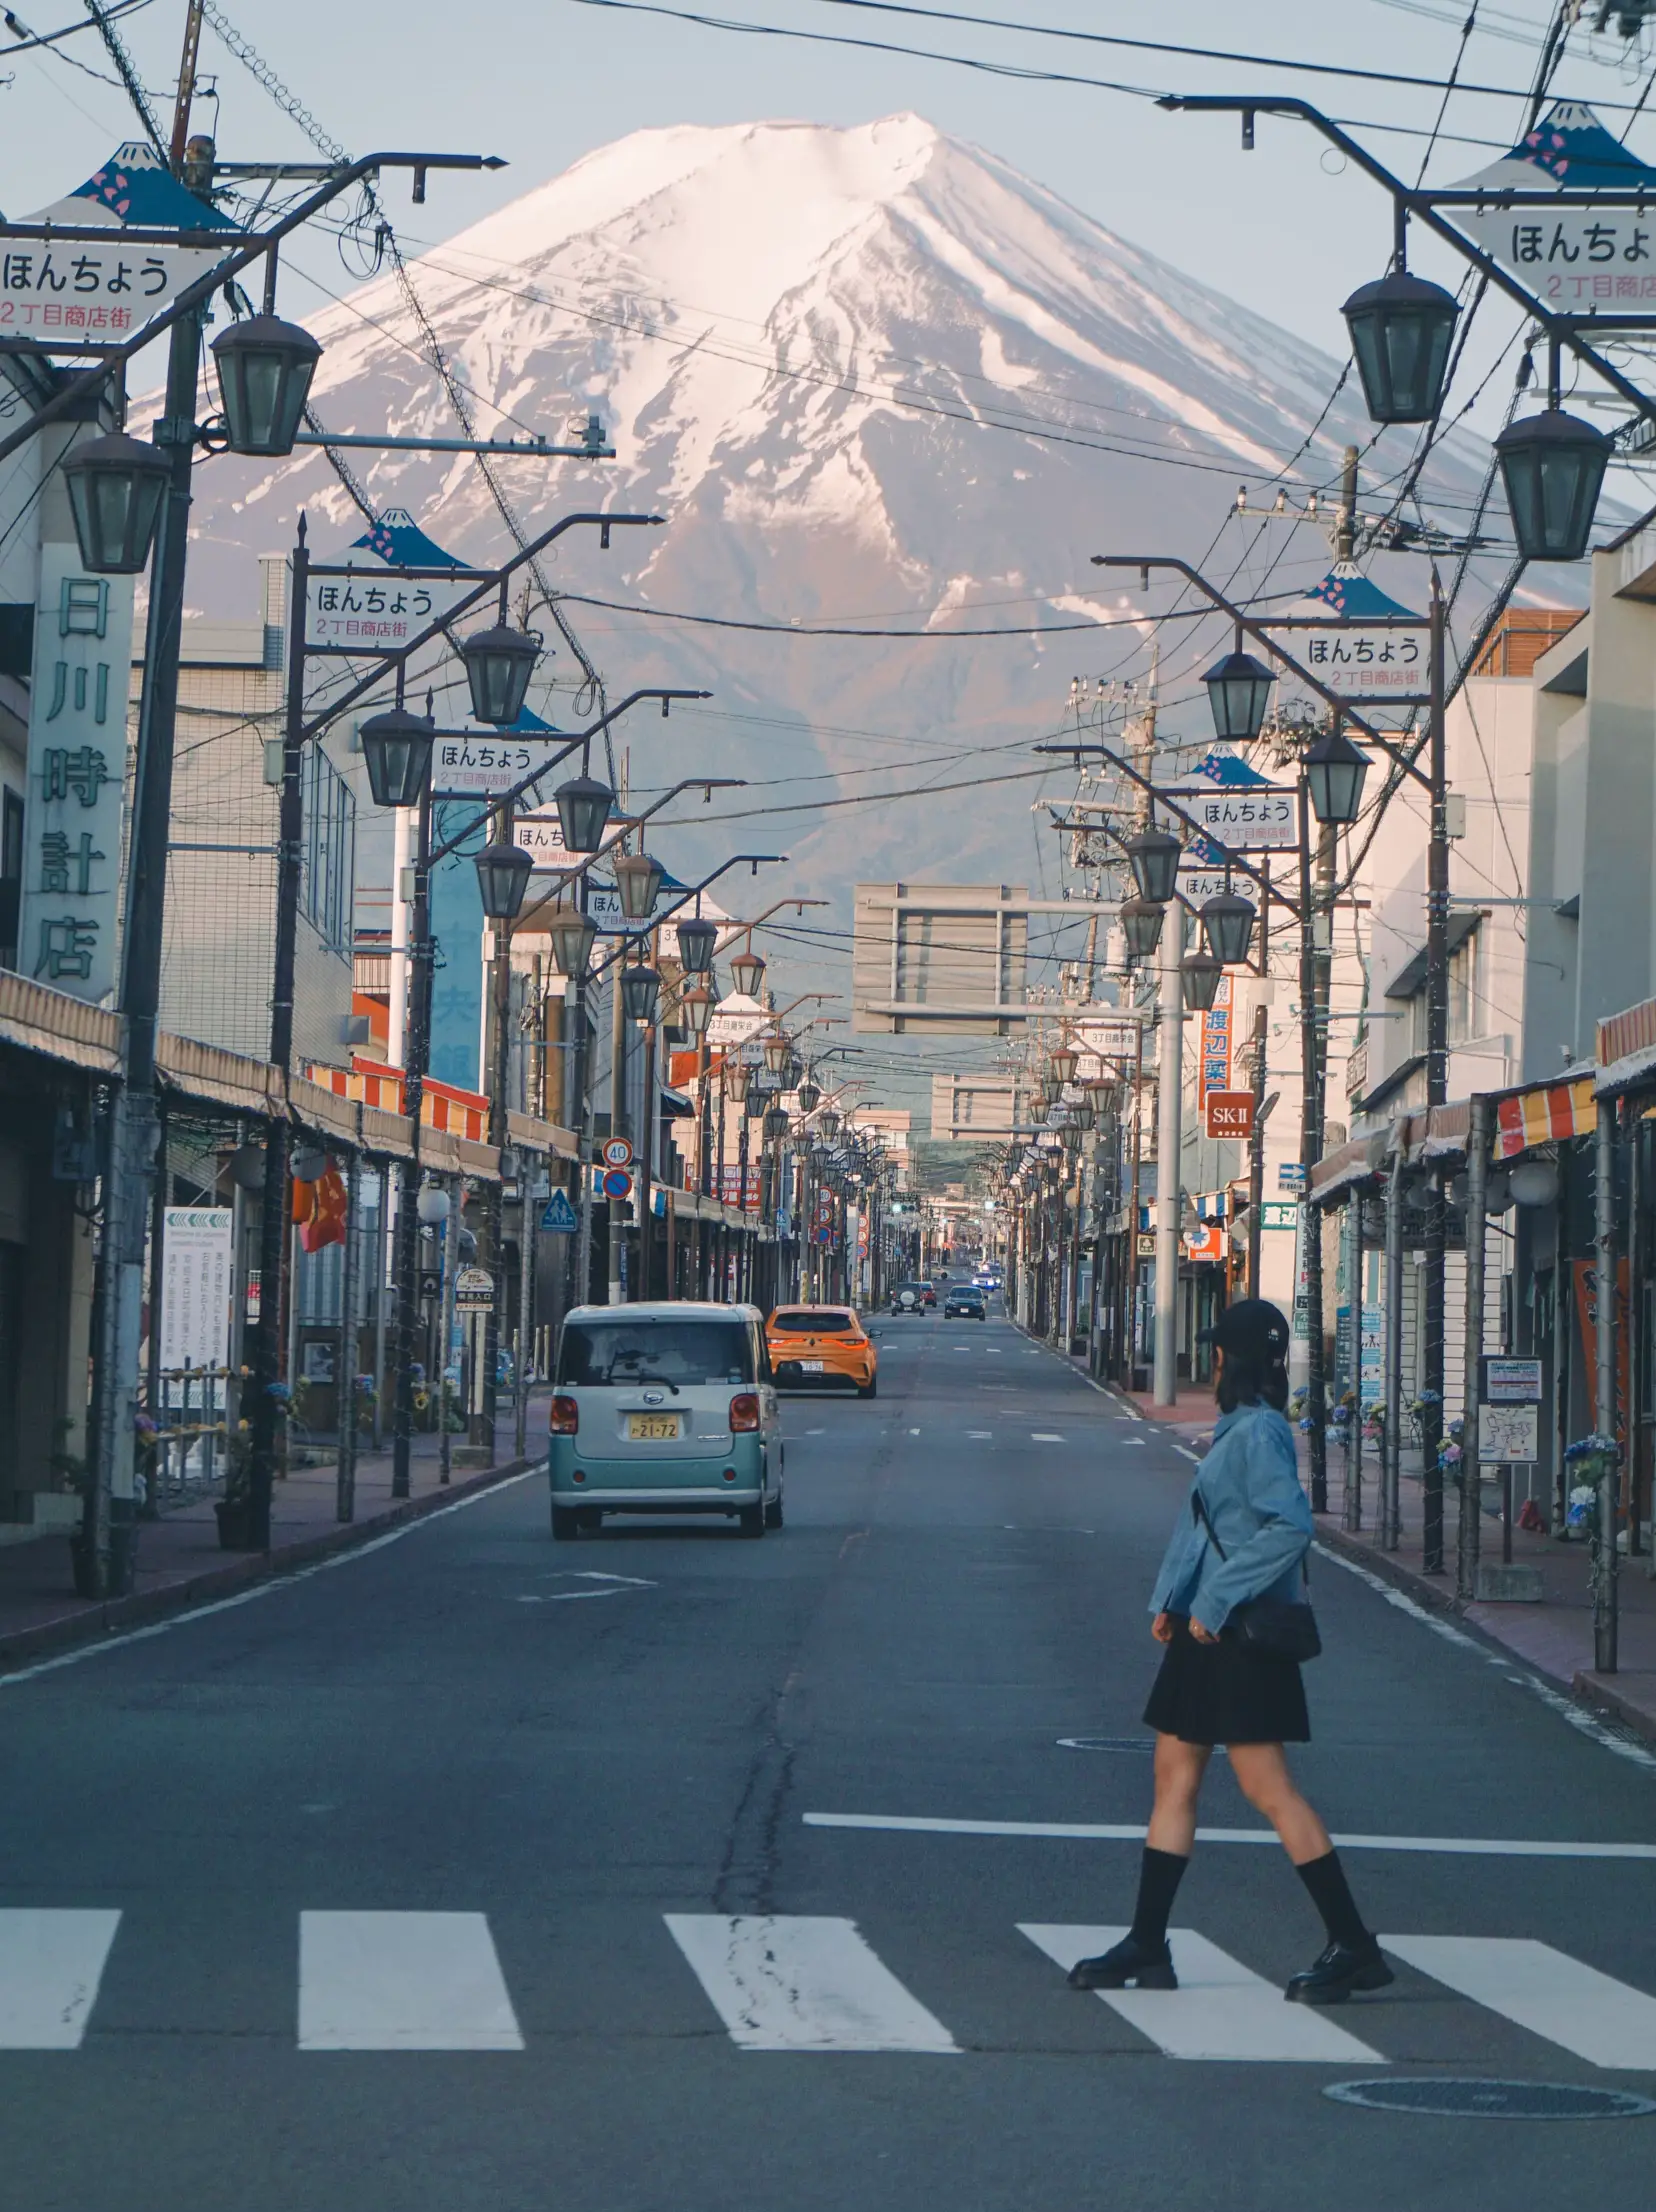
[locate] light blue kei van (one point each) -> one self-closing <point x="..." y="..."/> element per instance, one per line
<point x="664" y="1409"/>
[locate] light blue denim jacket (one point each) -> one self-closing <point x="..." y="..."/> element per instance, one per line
<point x="1249" y="1483"/>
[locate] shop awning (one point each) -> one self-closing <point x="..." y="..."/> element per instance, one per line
<point x="1341" y="1171"/>
<point x="1545" y="1113"/>
<point x="1627" y="1049"/>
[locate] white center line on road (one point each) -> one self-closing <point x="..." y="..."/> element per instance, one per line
<point x="1189" y="1454"/>
<point x="1220" y="2009"/>
<point x="402" y="1981"/>
<point x="51" y="1963"/>
<point x="981" y="1436"/>
<point x="803" y="1982"/>
<point x="914" y="1432"/>
<point x="816" y="1432"/>
<point x="1483" y="1847"/>
<point x="260" y="1590"/>
<point x="1546" y="1991"/>
<point x="1044" y="1436"/>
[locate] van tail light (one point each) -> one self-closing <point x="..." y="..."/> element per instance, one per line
<point x="566" y="1417"/>
<point x="744" y="1412"/>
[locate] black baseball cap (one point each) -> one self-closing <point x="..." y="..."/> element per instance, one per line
<point x="1252" y="1328"/>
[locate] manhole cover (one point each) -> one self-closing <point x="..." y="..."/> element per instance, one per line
<point x="1493" y="2100"/>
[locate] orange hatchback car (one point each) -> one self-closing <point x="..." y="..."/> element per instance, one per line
<point x="821" y="1348"/>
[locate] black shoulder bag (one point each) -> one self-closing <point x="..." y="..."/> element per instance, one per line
<point x="1286" y="1628"/>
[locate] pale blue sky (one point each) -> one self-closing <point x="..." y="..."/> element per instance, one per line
<point x="543" y="81"/>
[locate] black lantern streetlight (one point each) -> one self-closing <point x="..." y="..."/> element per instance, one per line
<point x="1201" y="974"/>
<point x="1141" y="926"/>
<point x="828" y="1125"/>
<point x="1334" y="772"/>
<point x="503" y="873"/>
<point x="265" y="368"/>
<point x="1401" y="328"/>
<point x="1064" y="1061"/>
<point x="735" y="1075"/>
<point x="754" y="1105"/>
<point x="747" y="971"/>
<point x="116" y="486"/>
<point x="777" y="1054"/>
<point x="640" y="993"/>
<point x="499" y="663"/>
<point x="1228" y="925"/>
<point x="638" y="879"/>
<point x="809" y="1095"/>
<point x="583" y="806"/>
<point x="1239" y="691"/>
<point x="1154" y="855"/>
<point x="573" y="936"/>
<point x="695" y="1010"/>
<point x="1552" y="466"/>
<point x="396" y="751"/>
<point x="776" y="1123"/>
<point x="1084" y="1113"/>
<point x="696" y="942"/>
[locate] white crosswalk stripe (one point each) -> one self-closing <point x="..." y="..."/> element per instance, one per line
<point x="796" y="1982"/>
<point x="1553" y="1995"/>
<point x="1219" y="2010"/>
<point x="402" y="1981"/>
<point x="51" y="1963"/>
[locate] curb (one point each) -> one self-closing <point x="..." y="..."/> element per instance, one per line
<point x="144" y="1606"/>
<point x="1594" y="1693"/>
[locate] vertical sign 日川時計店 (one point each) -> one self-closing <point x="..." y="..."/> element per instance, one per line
<point x="77" y="775"/>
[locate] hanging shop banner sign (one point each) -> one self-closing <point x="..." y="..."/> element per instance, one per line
<point x="1578" y="259"/>
<point x="1206" y="1244"/>
<point x="1264" y="820"/>
<point x="604" y="908"/>
<point x="1279" y="1213"/>
<point x="80" y="292"/>
<point x="735" y="1021"/>
<point x="77" y="767"/>
<point x="1361" y="661"/>
<point x="1214" y="1069"/>
<point x="485" y="767"/>
<point x="1104" y="1046"/>
<point x="1229" y="1113"/>
<point x="380" y="598"/>
<point x="195" y="1286"/>
<point x="474" y="1290"/>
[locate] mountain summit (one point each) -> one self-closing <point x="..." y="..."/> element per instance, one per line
<point x="874" y="378"/>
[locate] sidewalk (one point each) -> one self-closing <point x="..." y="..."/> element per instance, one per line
<point x="180" y="1562"/>
<point x="1554" y="1636"/>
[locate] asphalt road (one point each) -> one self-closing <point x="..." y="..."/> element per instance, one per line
<point x="634" y="1973"/>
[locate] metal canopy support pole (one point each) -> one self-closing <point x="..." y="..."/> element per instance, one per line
<point x="1353" y="1500"/>
<point x="134" y="1129"/>
<point x="1168" y="1142"/>
<point x="1256" y="1151"/>
<point x="1437" y="1092"/>
<point x="524" y="1363"/>
<point x="349" y="1356"/>
<point x="617" y="1116"/>
<point x="1605" y="1559"/>
<point x="1311" y="1126"/>
<point x="406" y="1261"/>
<point x="438" y="1390"/>
<point x="1477" y="1230"/>
<point x="481" y="1426"/>
<point x="1391" y="1515"/>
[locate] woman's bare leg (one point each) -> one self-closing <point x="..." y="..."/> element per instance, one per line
<point x="1179" y="1770"/>
<point x="1261" y="1771"/>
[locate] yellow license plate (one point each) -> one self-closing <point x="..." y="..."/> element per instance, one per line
<point x="652" y="1428"/>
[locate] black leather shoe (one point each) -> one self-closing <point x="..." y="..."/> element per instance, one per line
<point x="1341" y="1969"/>
<point x="1149" y="1966"/>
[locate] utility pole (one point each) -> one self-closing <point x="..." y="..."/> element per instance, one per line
<point x="1310" y="1153"/>
<point x="1169" y="1141"/>
<point x="1256" y="1143"/>
<point x="1437" y="1092"/>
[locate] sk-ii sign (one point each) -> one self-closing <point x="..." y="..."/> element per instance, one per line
<point x="77" y="776"/>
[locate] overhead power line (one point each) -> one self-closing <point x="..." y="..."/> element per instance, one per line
<point x="104" y="18"/>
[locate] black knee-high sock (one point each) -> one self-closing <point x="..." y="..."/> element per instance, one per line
<point x="1331" y="1894"/>
<point x="1160" y="1874"/>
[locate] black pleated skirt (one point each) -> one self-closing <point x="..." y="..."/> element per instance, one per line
<point x="1226" y="1693"/>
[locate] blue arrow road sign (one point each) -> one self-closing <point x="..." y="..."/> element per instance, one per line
<point x="559" y="1215"/>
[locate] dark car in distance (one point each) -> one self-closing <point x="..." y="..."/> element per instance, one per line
<point x="965" y="1302"/>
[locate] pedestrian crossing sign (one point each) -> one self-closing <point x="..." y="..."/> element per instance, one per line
<point x="559" y="1214"/>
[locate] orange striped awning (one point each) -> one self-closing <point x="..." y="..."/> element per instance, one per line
<point x="442" y="1105"/>
<point x="1544" y="1114"/>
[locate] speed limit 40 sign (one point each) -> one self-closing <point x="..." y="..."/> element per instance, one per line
<point x="618" y="1152"/>
<point x="1230" y="1113"/>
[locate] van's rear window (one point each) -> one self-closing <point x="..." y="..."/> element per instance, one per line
<point x="622" y="1352"/>
<point x="813" y="1324"/>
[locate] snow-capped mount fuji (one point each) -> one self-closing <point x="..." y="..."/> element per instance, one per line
<point x="873" y="377"/>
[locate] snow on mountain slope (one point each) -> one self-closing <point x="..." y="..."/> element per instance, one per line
<point x="872" y="377"/>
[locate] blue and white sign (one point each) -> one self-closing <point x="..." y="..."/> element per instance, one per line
<point x="1580" y="260"/>
<point x="375" y="608"/>
<point x="558" y="1217"/>
<point x="1357" y="641"/>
